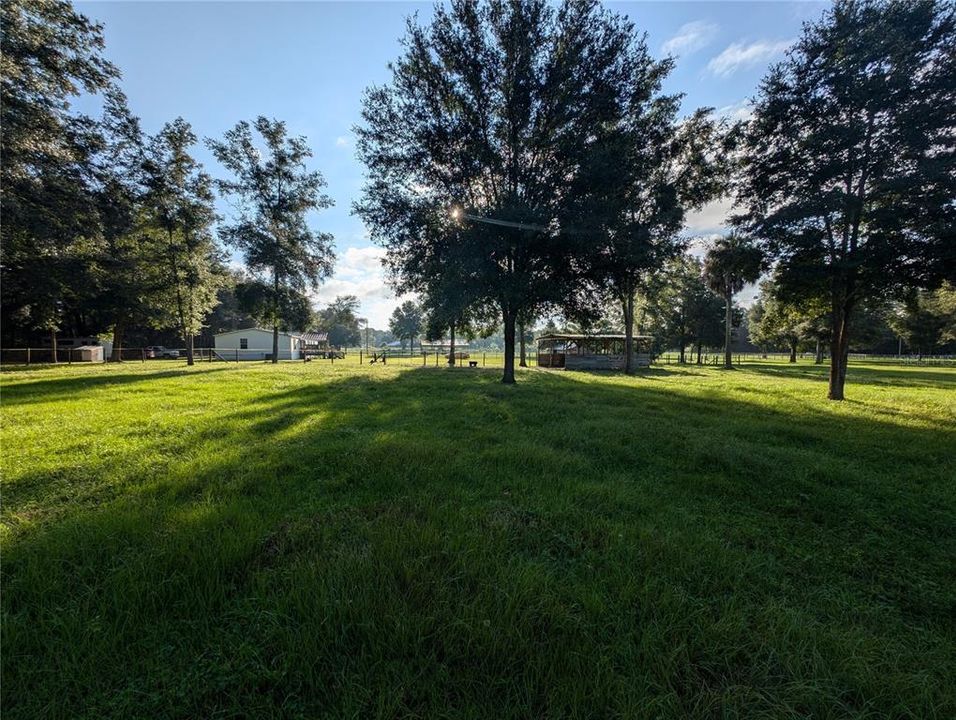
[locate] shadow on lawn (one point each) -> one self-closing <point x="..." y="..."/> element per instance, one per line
<point x="41" y="389"/>
<point x="857" y="374"/>
<point x="339" y="541"/>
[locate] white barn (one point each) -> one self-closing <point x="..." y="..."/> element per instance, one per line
<point x="256" y="344"/>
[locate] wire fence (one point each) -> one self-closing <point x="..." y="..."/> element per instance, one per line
<point x="405" y="358"/>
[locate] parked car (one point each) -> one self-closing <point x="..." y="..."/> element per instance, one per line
<point x="160" y="353"/>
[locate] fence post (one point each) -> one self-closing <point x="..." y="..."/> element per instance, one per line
<point x="144" y="354"/>
<point x="237" y="356"/>
<point x="360" y="358"/>
<point x="28" y="356"/>
<point x="483" y="359"/>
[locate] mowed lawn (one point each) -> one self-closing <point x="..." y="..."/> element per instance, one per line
<point x="316" y="541"/>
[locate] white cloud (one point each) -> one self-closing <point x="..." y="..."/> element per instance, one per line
<point x="359" y="272"/>
<point x="739" y="55"/>
<point x="343" y="141"/>
<point x="711" y="218"/>
<point x="690" y="38"/>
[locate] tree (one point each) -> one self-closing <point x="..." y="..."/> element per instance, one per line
<point x="228" y="313"/>
<point x="681" y="308"/>
<point x="50" y="54"/>
<point x="731" y="263"/>
<point x="406" y="322"/>
<point x="644" y="174"/>
<point x="275" y="192"/>
<point x="179" y="201"/>
<point x="774" y="322"/>
<point x="926" y="320"/>
<point x="848" y="170"/>
<point x="128" y="264"/>
<point x="340" y="321"/>
<point x="490" y="111"/>
<point x="290" y="309"/>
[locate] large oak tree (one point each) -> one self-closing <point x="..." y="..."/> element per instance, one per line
<point x="492" y="109"/>
<point x="849" y="174"/>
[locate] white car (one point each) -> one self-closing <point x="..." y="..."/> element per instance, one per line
<point x="159" y="352"/>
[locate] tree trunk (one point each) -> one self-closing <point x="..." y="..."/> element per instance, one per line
<point x="53" y="345"/>
<point x="700" y="347"/>
<point x="682" y="359"/>
<point x="793" y="352"/>
<point x="275" y="344"/>
<point x="117" y="354"/>
<point x="839" y="349"/>
<point x="451" y="356"/>
<point x="818" y="359"/>
<point x="628" y="308"/>
<point x="522" y="362"/>
<point x="508" y="377"/>
<point x="728" y="360"/>
<point x="190" y="349"/>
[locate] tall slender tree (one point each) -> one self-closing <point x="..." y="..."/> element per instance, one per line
<point x="180" y="203"/>
<point x="276" y="192"/>
<point x="849" y="169"/>
<point x="127" y="263"/>
<point x="731" y="263"/>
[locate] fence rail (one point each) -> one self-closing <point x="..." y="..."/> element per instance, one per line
<point x="481" y="358"/>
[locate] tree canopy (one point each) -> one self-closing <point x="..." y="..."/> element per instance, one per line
<point x="848" y="173"/>
<point x="487" y="120"/>
<point x="275" y="192"/>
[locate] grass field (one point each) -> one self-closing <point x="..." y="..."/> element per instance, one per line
<point x="317" y="541"/>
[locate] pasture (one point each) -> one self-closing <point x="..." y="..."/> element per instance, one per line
<point x="316" y="540"/>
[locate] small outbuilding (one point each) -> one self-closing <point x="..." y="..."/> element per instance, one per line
<point x="256" y="344"/>
<point x="87" y="353"/>
<point x="590" y="352"/>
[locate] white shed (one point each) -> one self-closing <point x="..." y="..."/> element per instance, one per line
<point x="256" y="344"/>
<point x="87" y="353"/>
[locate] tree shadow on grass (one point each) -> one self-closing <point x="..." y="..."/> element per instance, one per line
<point x="435" y="541"/>
<point x="865" y="375"/>
<point x="33" y="390"/>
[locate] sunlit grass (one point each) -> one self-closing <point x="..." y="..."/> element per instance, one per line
<point x="316" y="540"/>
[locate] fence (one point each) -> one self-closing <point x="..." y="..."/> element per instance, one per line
<point x="69" y="356"/>
<point x="405" y="358"/>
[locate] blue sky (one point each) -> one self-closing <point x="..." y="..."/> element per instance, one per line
<point x="308" y="63"/>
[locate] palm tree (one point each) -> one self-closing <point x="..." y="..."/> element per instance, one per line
<point x="730" y="264"/>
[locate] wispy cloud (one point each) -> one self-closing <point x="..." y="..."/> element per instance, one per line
<point x="343" y="141"/>
<point x="738" y="56"/>
<point x="690" y="38"/>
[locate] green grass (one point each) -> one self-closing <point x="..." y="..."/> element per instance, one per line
<point x="317" y="541"/>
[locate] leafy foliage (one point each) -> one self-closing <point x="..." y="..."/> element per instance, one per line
<point x="848" y="175"/>
<point x="491" y="111"/>
<point x="275" y="193"/>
